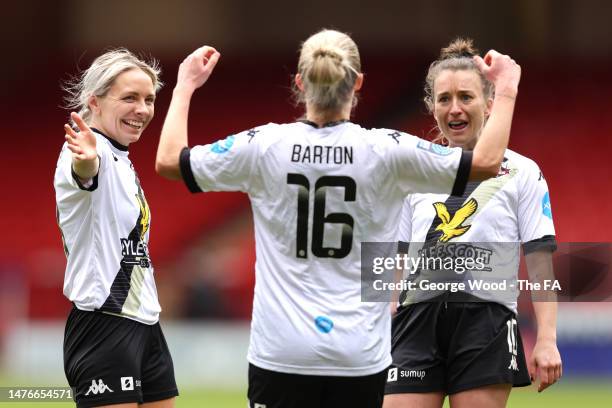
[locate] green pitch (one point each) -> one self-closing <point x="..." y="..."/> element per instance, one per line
<point x="568" y="393"/>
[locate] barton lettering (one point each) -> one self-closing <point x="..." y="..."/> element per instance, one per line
<point x="317" y="154"/>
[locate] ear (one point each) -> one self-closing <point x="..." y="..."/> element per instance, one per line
<point x="299" y="83"/>
<point x="94" y="104"/>
<point x="487" y="111"/>
<point x="358" y="82"/>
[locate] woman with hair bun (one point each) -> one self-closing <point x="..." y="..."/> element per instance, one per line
<point x="466" y="344"/>
<point x="114" y="348"/>
<point x="319" y="187"/>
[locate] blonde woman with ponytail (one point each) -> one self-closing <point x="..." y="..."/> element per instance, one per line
<point x="319" y="187"/>
<point x="467" y="344"/>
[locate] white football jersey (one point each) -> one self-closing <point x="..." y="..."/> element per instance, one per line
<point x="105" y="229"/>
<point x="492" y="218"/>
<point x="316" y="194"/>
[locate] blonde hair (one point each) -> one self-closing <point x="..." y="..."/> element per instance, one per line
<point x="100" y="76"/>
<point x="457" y="56"/>
<point x="329" y="65"/>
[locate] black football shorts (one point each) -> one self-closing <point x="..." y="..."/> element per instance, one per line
<point x="271" y="389"/>
<point x="455" y="346"/>
<point x="110" y="360"/>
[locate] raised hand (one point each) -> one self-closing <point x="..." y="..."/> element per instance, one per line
<point x="197" y="67"/>
<point x="81" y="144"/>
<point x="85" y="160"/>
<point x="545" y="364"/>
<point x="502" y="71"/>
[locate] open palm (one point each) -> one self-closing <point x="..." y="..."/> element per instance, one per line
<point x="81" y="144"/>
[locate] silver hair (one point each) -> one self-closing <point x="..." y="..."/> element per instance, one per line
<point x="100" y="76"/>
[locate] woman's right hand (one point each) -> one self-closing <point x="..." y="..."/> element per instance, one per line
<point x="81" y="144"/>
<point x="502" y="71"/>
<point x="85" y="160"/>
<point x="196" y="68"/>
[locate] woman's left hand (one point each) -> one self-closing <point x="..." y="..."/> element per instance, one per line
<point x="196" y="68"/>
<point x="545" y="363"/>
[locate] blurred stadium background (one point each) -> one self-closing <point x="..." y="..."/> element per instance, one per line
<point x="203" y="246"/>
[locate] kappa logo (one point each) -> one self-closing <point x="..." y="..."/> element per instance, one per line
<point x="256" y="405"/>
<point x="513" y="364"/>
<point x="392" y="375"/>
<point x="98" y="388"/>
<point x="127" y="383"/>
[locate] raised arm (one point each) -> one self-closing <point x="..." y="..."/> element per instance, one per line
<point x="193" y="73"/>
<point x="85" y="161"/>
<point x="504" y="73"/>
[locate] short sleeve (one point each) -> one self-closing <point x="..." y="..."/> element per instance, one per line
<point x="424" y="167"/>
<point x="535" y="220"/>
<point x="226" y="165"/>
<point x="67" y="178"/>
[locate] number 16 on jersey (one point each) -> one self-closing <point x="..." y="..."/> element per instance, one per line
<point x="319" y="218"/>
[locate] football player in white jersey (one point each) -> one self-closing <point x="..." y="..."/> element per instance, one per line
<point x="318" y="188"/>
<point x="114" y="348"/>
<point x="455" y="343"/>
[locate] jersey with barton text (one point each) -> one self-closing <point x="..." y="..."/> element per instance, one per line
<point x="105" y="229"/>
<point x="316" y="194"/>
<point x="491" y="220"/>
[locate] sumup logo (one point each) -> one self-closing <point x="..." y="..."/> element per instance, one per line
<point x="127" y="383"/>
<point x="394" y="374"/>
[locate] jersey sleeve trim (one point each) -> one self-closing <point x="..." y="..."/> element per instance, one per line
<point x="546" y="243"/>
<point x="463" y="173"/>
<point x="94" y="180"/>
<point x="186" y="172"/>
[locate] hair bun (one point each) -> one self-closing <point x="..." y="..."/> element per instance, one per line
<point x="458" y="48"/>
<point x="327" y="52"/>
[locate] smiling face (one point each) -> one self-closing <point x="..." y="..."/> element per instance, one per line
<point x="127" y="108"/>
<point x="460" y="107"/>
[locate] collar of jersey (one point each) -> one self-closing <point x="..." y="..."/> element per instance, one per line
<point x="115" y="144"/>
<point x="328" y="124"/>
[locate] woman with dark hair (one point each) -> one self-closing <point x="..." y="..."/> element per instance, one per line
<point x="467" y="345"/>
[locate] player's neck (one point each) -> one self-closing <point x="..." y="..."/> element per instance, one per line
<point x="322" y="118"/>
<point x="465" y="146"/>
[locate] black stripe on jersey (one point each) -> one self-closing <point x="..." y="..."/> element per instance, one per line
<point x="463" y="173"/>
<point x="453" y="203"/>
<point x="546" y="243"/>
<point x="94" y="182"/>
<point x="121" y="285"/>
<point x="186" y="172"/>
